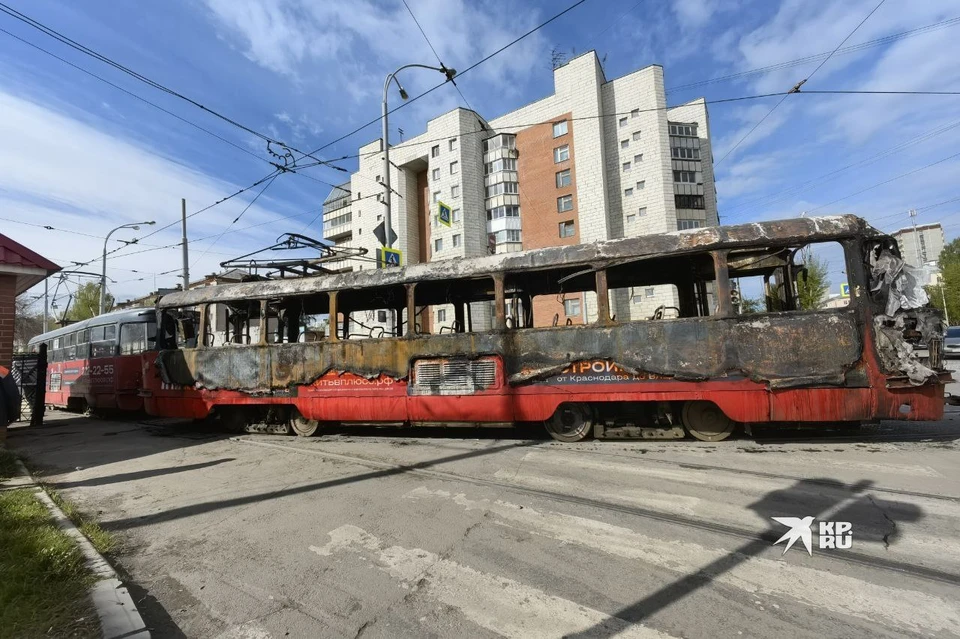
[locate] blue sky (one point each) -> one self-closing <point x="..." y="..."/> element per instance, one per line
<point x="80" y="155"/>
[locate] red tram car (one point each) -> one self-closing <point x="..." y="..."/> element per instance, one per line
<point x="95" y="364"/>
<point x="460" y="342"/>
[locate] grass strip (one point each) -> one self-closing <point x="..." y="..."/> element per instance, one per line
<point x="43" y="578"/>
<point x="103" y="541"/>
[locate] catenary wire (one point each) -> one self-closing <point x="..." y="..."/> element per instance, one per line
<point x="796" y="88"/>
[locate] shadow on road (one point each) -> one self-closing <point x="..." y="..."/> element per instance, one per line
<point x="139" y="474"/>
<point x="873" y="520"/>
<point x="198" y="509"/>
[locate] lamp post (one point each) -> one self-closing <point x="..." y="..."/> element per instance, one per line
<point x="387" y="221"/>
<point x="103" y="276"/>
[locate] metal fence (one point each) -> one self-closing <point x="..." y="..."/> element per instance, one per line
<point x="29" y="371"/>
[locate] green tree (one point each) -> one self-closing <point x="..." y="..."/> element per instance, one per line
<point x="750" y="305"/>
<point x="812" y="291"/>
<point x="948" y="290"/>
<point x="86" y="302"/>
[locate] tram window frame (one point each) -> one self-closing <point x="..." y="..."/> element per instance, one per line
<point x="535" y="299"/>
<point x="775" y="262"/>
<point x="131" y="347"/>
<point x="454" y="306"/>
<point x="692" y="276"/>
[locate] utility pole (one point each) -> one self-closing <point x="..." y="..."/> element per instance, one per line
<point x="183" y="225"/>
<point x="943" y="298"/>
<point x="46" y="303"/>
<point x="916" y="238"/>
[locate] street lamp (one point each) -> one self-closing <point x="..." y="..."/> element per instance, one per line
<point x="387" y="222"/>
<point x="103" y="276"/>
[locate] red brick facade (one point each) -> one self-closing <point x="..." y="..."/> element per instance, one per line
<point x="8" y="296"/>
<point x="540" y="218"/>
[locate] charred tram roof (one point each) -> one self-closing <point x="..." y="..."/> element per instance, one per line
<point x="777" y="233"/>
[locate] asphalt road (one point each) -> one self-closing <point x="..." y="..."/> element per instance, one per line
<point x="385" y="533"/>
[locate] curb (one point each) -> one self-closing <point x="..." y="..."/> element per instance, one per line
<point x="118" y="614"/>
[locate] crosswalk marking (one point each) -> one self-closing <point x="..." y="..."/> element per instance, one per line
<point x="837" y="593"/>
<point x="501" y="605"/>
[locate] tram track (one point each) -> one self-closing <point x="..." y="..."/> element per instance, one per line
<point x="765" y="475"/>
<point x="420" y="469"/>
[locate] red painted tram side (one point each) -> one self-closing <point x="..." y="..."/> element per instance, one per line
<point x="701" y="373"/>
<point x="96" y="363"/>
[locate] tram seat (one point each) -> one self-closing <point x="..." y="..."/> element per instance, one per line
<point x="313" y="336"/>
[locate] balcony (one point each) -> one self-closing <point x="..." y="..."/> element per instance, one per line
<point x="337" y="227"/>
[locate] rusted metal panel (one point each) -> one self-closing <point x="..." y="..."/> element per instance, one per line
<point x="792" y="232"/>
<point x="812" y="347"/>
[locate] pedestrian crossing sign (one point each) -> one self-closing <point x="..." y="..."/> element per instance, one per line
<point x="444" y="214"/>
<point x="389" y="257"/>
<point x="844" y="289"/>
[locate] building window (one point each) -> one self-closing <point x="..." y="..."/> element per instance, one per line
<point x="454" y="168"/>
<point x="453" y="144"/>
<point x="381" y="316"/>
<point x="684" y="153"/>
<point x="624" y="144"/>
<point x="571" y="308"/>
<point x="635" y="113"/>
<point x="628" y="192"/>
<point x="436" y="196"/>
<point x="686" y="177"/>
<point x="503" y="164"/>
<point x="455" y="191"/>
<point x="683" y="225"/>
<point x="499" y="212"/>
<point x="566" y="229"/>
<point x="623" y="121"/>
<point x="689" y="202"/>
<point x="456" y="215"/>
<point x="438" y="245"/>
<point x="642" y="184"/>
<point x="638" y="158"/>
<point x="435" y="151"/>
<point x="631" y="218"/>
<point x="442" y="315"/>
<point x="564" y="203"/>
<point x="456" y="240"/>
<point x="561" y="153"/>
<point x="642" y="212"/>
<point x="636" y="136"/>
<point x="626" y="167"/>
<point x="563" y="178"/>
<point x="500" y="188"/>
<point x="683" y="129"/>
<point x="649" y="292"/>
<point x="436" y="174"/>
<point x="559" y="128"/>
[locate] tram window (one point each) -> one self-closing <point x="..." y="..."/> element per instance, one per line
<point x="662" y="288"/>
<point x="770" y="280"/>
<point x="454" y="306"/>
<point x="133" y="338"/>
<point x="550" y="297"/>
<point x="96" y="334"/>
<point x="110" y="332"/>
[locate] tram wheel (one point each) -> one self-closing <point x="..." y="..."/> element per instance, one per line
<point x="706" y="422"/>
<point x="570" y="423"/>
<point x="301" y="426"/>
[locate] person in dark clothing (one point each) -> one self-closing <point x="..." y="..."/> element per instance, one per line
<point x="9" y="398"/>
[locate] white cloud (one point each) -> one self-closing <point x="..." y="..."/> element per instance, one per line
<point x="355" y="44"/>
<point x="61" y="171"/>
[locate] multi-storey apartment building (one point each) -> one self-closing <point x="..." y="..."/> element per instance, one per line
<point x="920" y="245"/>
<point x="596" y="160"/>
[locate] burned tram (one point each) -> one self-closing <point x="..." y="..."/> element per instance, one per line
<point x="476" y="341"/>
